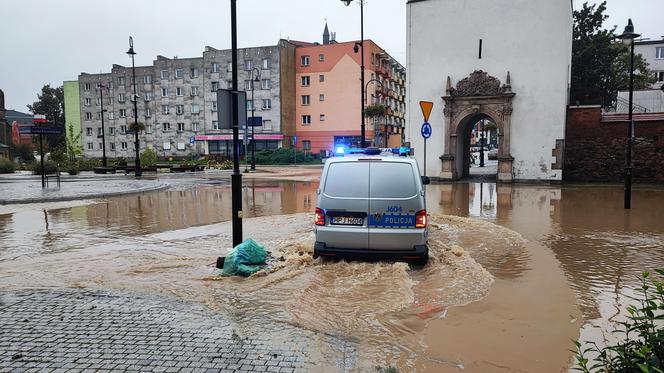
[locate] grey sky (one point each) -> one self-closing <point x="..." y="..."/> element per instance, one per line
<point x="52" y="41"/>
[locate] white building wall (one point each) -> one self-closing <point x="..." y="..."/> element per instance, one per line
<point x="532" y="39"/>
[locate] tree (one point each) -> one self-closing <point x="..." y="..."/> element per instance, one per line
<point x="600" y="65"/>
<point x="72" y="144"/>
<point x="51" y="103"/>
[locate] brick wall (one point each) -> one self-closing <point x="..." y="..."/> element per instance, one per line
<point x="596" y="144"/>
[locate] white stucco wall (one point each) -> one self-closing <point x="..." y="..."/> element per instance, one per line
<point x="532" y="39"/>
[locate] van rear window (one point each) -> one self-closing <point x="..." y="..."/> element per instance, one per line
<point x="392" y="180"/>
<point x="347" y="179"/>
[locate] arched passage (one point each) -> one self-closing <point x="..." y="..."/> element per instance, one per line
<point x="465" y="142"/>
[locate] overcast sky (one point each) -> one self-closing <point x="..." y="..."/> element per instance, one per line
<point x="53" y="41"/>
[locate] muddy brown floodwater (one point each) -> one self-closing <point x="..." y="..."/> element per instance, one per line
<point x="516" y="272"/>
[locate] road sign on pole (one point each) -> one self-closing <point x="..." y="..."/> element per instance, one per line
<point x="426" y="107"/>
<point x="426" y="130"/>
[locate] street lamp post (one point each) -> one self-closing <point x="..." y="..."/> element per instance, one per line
<point x="236" y="177"/>
<point x="103" y="129"/>
<point x="254" y="80"/>
<point x="628" y="37"/>
<point x="482" y="143"/>
<point x="131" y="52"/>
<point x="361" y="46"/>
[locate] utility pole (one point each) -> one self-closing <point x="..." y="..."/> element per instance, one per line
<point x="236" y="178"/>
<point x="135" y="99"/>
<point x="103" y="129"/>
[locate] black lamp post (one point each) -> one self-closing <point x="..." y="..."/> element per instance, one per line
<point x="361" y="47"/>
<point x="104" y="162"/>
<point x="255" y="79"/>
<point x="135" y="99"/>
<point x="481" y="143"/>
<point x="628" y="37"/>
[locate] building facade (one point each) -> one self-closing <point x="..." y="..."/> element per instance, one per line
<point x="328" y="96"/>
<point x="653" y="52"/>
<point x="511" y="66"/>
<point x="176" y="101"/>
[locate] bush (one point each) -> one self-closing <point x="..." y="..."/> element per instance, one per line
<point x="7" y="166"/>
<point x="88" y="164"/>
<point x="281" y="156"/>
<point x="72" y="168"/>
<point x="24" y="152"/>
<point x="50" y="167"/>
<point x="643" y="347"/>
<point x="148" y="157"/>
<point x="59" y="156"/>
<point x="119" y="161"/>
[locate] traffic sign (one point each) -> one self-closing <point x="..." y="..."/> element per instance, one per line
<point x="192" y="140"/>
<point x="255" y="121"/>
<point x="426" y="130"/>
<point x="44" y="130"/>
<point x="426" y="107"/>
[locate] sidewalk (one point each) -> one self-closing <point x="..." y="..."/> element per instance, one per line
<point x="76" y="331"/>
<point x="28" y="189"/>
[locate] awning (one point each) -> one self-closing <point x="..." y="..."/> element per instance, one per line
<point x="230" y="137"/>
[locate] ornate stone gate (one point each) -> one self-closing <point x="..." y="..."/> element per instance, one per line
<point x="476" y="97"/>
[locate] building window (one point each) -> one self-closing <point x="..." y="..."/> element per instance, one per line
<point x="215" y="67"/>
<point x="321" y="57"/>
<point x="123" y="113"/>
<point x="215" y="86"/>
<point x="660" y="76"/>
<point x="214" y="106"/>
<point x="179" y="92"/>
<point x="322" y="117"/>
<point x="121" y="80"/>
<point x="306" y="119"/>
<point x="304" y="60"/>
<point x="248" y="65"/>
<point x="321" y="78"/>
<point x="306" y="145"/>
<point x="88" y="101"/>
<point x="100" y="145"/>
<point x="179" y="73"/>
<point x="194" y="72"/>
<point x="230" y="67"/>
<point x="148" y="128"/>
<point x="111" y="115"/>
<point x="247" y="85"/>
<point x="99" y="115"/>
<point x="148" y="112"/>
<point x="180" y="127"/>
<point x="194" y="91"/>
<point x="148" y="96"/>
<point x="90" y="146"/>
<point x="305" y="99"/>
<point x="266" y="64"/>
<point x="88" y="131"/>
<point x="194" y="126"/>
<point x="98" y="101"/>
<point x="113" y="146"/>
<point x="250" y="104"/>
<point x="164" y="92"/>
<point x="266" y="84"/>
<point x="123" y="145"/>
<point x="179" y="109"/>
<point x="267" y="104"/>
<point x="215" y="125"/>
<point x="86" y="86"/>
<point x="166" y="126"/>
<point x="147" y="79"/>
<point x="164" y="74"/>
<point x="164" y="109"/>
<point x="121" y="97"/>
<point x="659" y="52"/>
<point x="123" y="128"/>
<point x="195" y="109"/>
<point x="321" y="97"/>
<point x="267" y="125"/>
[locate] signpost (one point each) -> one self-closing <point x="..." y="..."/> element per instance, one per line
<point x="426" y="107"/>
<point x="40" y="119"/>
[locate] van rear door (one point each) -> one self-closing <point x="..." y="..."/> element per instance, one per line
<point x="345" y="200"/>
<point x="395" y="199"/>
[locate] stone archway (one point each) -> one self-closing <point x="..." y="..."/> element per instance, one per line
<point x="477" y="96"/>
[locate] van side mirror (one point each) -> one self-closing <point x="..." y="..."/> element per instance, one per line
<point x="426" y="180"/>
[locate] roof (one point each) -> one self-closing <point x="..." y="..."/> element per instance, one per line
<point x="13" y="115"/>
<point x="649" y="42"/>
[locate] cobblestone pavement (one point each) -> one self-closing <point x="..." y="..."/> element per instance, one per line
<point x="74" y="331"/>
<point x="29" y="191"/>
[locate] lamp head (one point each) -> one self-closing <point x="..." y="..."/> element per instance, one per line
<point x="347" y="2"/>
<point x="131" y="47"/>
<point x="628" y="35"/>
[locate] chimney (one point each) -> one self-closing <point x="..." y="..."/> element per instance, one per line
<point x="333" y="38"/>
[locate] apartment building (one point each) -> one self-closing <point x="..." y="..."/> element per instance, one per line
<point x="176" y="101"/>
<point x="328" y="106"/>
<point x="653" y="52"/>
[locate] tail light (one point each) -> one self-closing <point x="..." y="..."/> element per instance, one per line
<point x="421" y="219"/>
<point x="319" y="219"/>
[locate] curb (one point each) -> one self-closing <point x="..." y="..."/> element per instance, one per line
<point x="74" y="198"/>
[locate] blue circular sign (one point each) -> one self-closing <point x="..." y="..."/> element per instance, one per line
<point x="426" y="130"/>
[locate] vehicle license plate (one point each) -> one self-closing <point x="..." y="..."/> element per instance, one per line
<point x="347" y="220"/>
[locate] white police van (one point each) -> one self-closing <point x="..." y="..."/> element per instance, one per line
<point x="371" y="204"/>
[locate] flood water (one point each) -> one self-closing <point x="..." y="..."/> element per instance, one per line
<point x="516" y="271"/>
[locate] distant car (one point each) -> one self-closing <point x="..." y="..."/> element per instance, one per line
<point x="371" y="206"/>
<point x="493" y="154"/>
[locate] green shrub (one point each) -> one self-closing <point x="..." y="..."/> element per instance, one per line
<point x="148" y="157"/>
<point x="119" y="161"/>
<point x="50" y="167"/>
<point x="72" y="168"/>
<point x="59" y="156"/>
<point x="642" y="349"/>
<point x="88" y="164"/>
<point x="24" y="152"/>
<point x="7" y="166"/>
<point x="281" y="156"/>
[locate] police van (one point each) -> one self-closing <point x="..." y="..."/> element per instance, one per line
<point x="371" y="204"/>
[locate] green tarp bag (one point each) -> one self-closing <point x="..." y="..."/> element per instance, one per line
<point x="245" y="259"/>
